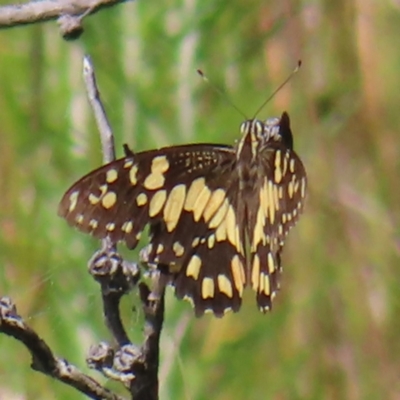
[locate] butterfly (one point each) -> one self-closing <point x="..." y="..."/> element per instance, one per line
<point x="218" y="215"/>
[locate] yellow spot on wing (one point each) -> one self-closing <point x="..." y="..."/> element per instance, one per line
<point x="128" y="163"/>
<point x="271" y="263"/>
<point x="93" y="199"/>
<point x="103" y="190"/>
<point x="285" y="162"/>
<point x="225" y="285"/>
<point x="220" y="233"/>
<point x="292" y="165"/>
<point x="276" y="198"/>
<point x="109" y="200"/>
<point x="173" y="206"/>
<point x="296" y="186"/>
<point x="211" y="241"/>
<point x="271" y="202"/>
<point x="133" y="175"/>
<point x="231" y="226"/>
<point x="266" y="285"/>
<point x="154" y="181"/>
<point x="255" y="273"/>
<point x="198" y="204"/>
<point x="238" y="273"/>
<point x="157" y="202"/>
<point x="193" y="268"/>
<point x="201" y="203"/>
<point x="111" y="175"/>
<point x="254" y="144"/>
<point x="207" y="288"/>
<point x="110" y="226"/>
<point x="303" y="187"/>
<point x="73" y="200"/>
<point x="258" y="228"/>
<point x="213" y="204"/>
<point x="93" y="223"/>
<point x="219" y="215"/>
<point x="127" y="226"/>
<point x="290" y="189"/>
<point x="159" y="164"/>
<point x="178" y="249"/>
<point x="278" y="167"/>
<point x="193" y="193"/>
<point x="141" y="199"/>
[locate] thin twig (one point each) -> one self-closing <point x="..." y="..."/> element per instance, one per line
<point x="43" y="359"/>
<point x="105" y="131"/>
<point x="111" y="299"/>
<point x="116" y="278"/>
<point x="44" y="10"/>
<point x="145" y="386"/>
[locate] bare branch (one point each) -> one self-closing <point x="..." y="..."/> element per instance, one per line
<point x="103" y="260"/>
<point x="136" y="367"/>
<point x="146" y="388"/>
<point x="105" y="131"/>
<point x="116" y="278"/>
<point x="43" y="359"/>
<point x="45" y="10"/>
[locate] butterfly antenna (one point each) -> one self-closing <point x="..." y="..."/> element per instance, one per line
<point x="221" y="93"/>
<point x="279" y="88"/>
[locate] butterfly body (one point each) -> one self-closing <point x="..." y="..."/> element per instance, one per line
<point x="217" y="215"/>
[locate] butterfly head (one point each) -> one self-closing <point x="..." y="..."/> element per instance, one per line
<point x="278" y="130"/>
<point x="258" y="134"/>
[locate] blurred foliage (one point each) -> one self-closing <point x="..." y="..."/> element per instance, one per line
<point x="334" y="331"/>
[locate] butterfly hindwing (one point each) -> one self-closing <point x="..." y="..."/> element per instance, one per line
<point x="280" y="201"/>
<point x="213" y="279"/>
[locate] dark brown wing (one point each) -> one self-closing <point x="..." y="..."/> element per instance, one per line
<point x="187" y="195"/>
<point x="120" y="198"/>
<point x="206" y="247"/>
<point x="280" y="201"/>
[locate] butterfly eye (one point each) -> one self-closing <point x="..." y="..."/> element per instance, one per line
<point x="271" y="129"/>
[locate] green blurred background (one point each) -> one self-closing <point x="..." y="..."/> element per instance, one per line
<point x="334" y="332"/>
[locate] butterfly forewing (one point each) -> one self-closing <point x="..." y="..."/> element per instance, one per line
<point x="217" y="219"/>
<point x="120" y="198"/>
